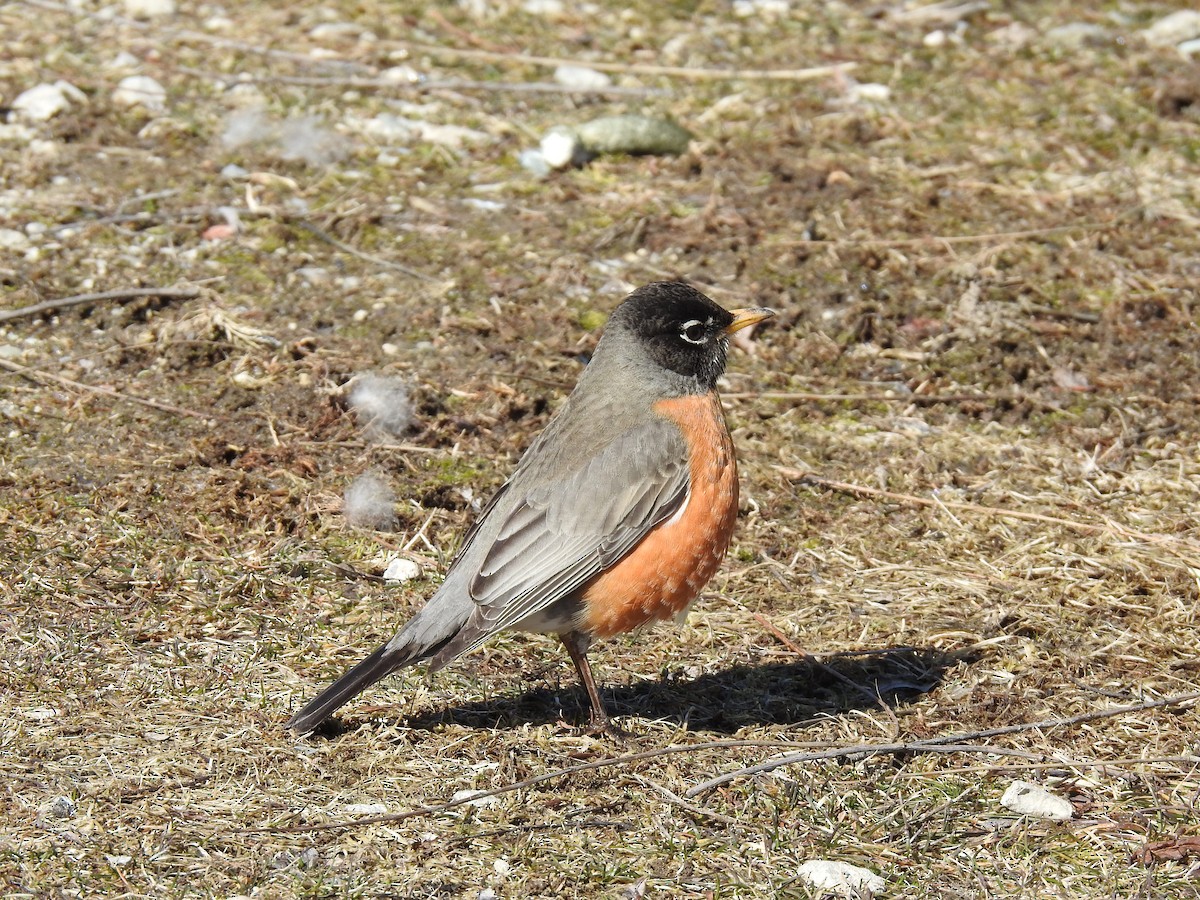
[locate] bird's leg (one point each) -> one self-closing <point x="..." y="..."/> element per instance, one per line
<point x="577" y="645"/>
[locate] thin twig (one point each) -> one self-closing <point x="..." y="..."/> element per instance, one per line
<point x="377" y="260"/>
<point x="39" y="375"/>
<point x="521" y="59"/>
<point x="918" y="399"/>
<point x="1071" y="315"/>
<point x="436" y="808"/>
<point x="675" y="800"/>
<point x="855" y="750"/>
<point x="88" y="299"/>
<point x="950" y="743"/>
<point x="198" y="37"/>
<point x="446" y="84"/>
<point x="1109" y="527"/>
<point x="1108" y="765"/>
<point x="942" y="238"/>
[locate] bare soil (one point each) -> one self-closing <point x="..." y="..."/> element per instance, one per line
<point x="968" y="447"/>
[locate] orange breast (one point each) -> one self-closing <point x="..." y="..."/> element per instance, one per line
<point x="668" y="569"/>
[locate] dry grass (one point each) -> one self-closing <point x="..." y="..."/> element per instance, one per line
<point x="988" y="322"/>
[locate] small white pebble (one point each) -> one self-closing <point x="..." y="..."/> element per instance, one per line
<point x="11" y="239"/>
<point x="400" y="570"/>
<point x="841" y="878"/>
<point x="122" y="61"/>
<point x="1180" y="26"/>
<point x="1034" y="800"/>
<point x="40" y="713"/>
<point x="581" y="78"/>
<point x="140" y="90"/>
<point x="149" y="9"/>
<point x="869" y="93"/>
<point x="400" y="75"/>
<point x="550" y="9"/>
<point x="533" y="162"/>
<point x="45" y="101"/>
<point x="560" y="148"/>
<point x="360" y="315"/>
<point x="502" y="867"/>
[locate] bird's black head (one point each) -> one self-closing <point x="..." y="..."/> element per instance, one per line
<point x="680" y="329"/>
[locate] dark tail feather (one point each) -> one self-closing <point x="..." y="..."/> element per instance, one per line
<point x="379" y="664"/>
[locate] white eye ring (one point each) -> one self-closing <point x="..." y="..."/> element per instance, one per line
<point x="694" y="327"/>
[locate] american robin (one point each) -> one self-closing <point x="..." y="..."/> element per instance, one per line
<point x="617" y="515"/>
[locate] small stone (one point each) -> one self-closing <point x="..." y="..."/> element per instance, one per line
<point x="45" y="101"/>
<point x="400" y="570"/>
<point x="581" y="78"/>
<point x="123" y="61"/>
<point x="117" y="861"/>
<point x="1013" y="36"/>
<point x="560" y="148"/>
<point x="313" y="274"/>
<point x="841" y="878"/>
<point x="869" y="93"/>
<point x="1176" y="28"/>
<point x="1034" y="800"/>
<point x="149" y="9"/>
<point x="11" y="239"/>
<point x="934" y="39"/>
<point x="550" y="9"/>
<point x="234" y="172"/>
<point x="1076" y="35"/>
<point x="1190" y="48"/>
<point x="336" y="31"/>
<point x="400" y="75"/>
<point x="221" y="232"/>
<point x="483" y="205"/>
<point x="761" y="9"/>
<point x="140" y="90"/>
<point x="244" y="379"/>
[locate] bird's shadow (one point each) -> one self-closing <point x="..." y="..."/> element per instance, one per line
<point x="777" y="693"/>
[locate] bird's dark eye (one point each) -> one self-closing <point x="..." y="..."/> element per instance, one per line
<point x="693" y="331"/>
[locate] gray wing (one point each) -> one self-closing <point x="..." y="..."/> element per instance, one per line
<point x="565" y="532"/>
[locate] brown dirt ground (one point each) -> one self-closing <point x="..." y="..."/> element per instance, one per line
<point x="987" y="296"/>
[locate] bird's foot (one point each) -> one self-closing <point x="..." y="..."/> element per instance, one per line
<point x="603" y="727"/>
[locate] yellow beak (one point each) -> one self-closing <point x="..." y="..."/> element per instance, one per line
<point x="744" y="318"/>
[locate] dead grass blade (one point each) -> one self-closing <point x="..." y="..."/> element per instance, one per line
<point x="952" y="743"/>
